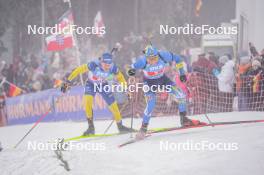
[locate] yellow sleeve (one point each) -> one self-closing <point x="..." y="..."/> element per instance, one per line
<point x="79" y="70"/>
<point x="120" y="78"/>
<point x="179" y="65"/>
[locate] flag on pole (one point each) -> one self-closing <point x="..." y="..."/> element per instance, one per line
<point x="59" y="42"/>
<point x="13" y="90"/>
<point x="99" y="23"/>
<point x="63" y="39"/>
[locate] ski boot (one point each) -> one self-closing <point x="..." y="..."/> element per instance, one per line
<point x="186" y="122"/>
<point x="142" y="132"/>
<point x="90" y="130"/>
<point x="123" y="129"/>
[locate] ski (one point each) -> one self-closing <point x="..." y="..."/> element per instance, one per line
<point x="236" y="122"/>
<point x="89" y="136"/>
<point x="159" y="130"/>
<point x="153" y="131"/>
<point x="133" y="140"/>
<point x="94" y="136"/>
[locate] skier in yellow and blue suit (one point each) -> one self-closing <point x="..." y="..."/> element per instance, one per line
<point x="101" y="72"/>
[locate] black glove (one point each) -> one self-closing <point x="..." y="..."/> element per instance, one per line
<point x="183" y="78"/>
<point x="65" y="86"/>
<point x="131" y="72"/>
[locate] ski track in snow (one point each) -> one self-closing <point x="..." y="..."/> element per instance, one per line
<point x="144" y="157"/>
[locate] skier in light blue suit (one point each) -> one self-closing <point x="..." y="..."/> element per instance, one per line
<point x="153" y="64"/>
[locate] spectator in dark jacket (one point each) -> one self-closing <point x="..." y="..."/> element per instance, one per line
<point x="242" y="88"/>
<point x="253" y="50"/>
<point x="204" y="65"/>
<point x="262" y="58"/>
<point x="256" y="83"/>
<point x="205" y="68"/>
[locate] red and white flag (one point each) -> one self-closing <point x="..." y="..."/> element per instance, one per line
<point x="99" y="23"/>
<point x="62" y="40"/>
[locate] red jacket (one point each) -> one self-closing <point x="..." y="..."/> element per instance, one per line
<point x="204" y="65"/>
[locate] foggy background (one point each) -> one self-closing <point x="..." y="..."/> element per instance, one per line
<point x="122" y="18"/>
<point x="26" y="62"/>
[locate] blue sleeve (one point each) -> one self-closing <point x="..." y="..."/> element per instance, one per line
<point x="170" y="57"/>
<point x="166" y="56"/>
<point x="114" y="69"/>
<point x="92" y="65"/>
<point x="140" y="63"/>
<point x="177" y="59"/>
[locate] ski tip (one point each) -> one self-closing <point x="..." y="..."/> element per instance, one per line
<point x="122" y="145"/>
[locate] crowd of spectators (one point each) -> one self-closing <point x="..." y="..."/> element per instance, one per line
<point x="214" y="83"/>
<point x="224" y="84"/>
<point x="32" y="73"/>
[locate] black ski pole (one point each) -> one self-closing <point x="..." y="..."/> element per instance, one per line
<point x="106" y="130"/>
<point x="29" y="131"/>
<point x="210" y="122"/>
<point x="109" y="126"/>
<point x="35" y="124"/>
<point x="132" y="113"/>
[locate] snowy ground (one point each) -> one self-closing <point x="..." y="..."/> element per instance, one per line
<point x="145" y="157"/>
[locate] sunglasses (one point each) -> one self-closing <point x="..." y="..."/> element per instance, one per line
<point x="153" y="58"/>
<point x="106" y="64"/>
